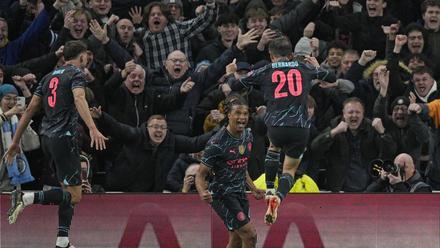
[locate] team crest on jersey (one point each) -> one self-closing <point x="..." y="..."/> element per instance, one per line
<point x="241" y="149"/>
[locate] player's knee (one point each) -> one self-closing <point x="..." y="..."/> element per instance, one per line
<point x="75" y="195"/>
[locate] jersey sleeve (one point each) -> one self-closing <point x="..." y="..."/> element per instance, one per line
<point x="78" y="80"/>
<point x="254" y="77"/>
<point x="211" y="155"/>
<point x="39" y="90"/>
<point x="321" y="74"/>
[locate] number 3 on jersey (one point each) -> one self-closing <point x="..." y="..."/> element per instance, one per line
<point x="294" y="83"/>
<point x="52" y="98"/>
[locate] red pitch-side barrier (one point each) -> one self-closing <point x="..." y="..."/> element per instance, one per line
<point x="178" y="220"/>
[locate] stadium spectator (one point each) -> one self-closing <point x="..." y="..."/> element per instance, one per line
<point x="350" y="144"/>
<point x="10" y="51"/>
<point x="227" y="27"/>
<point x="148" y="152"/>
<point x="407" y="178"/>
<point x="163" y="34"/>
<point x="407" y="129"/>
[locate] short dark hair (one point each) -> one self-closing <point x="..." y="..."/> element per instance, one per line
<point x="234" y="99"/>
<point x="419" y="56"/>
<point x="227" y="18"/>
<point x="281" y="47"/>
<point x="414" y="27"/>
<point x="337" y="44"/>
<point x="73" y="48"/>
<point x="163" y="8"/>
<point x="422" y="70"/>
<point x="429" y="3"/>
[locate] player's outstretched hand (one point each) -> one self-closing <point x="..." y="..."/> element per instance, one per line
<point x="206" y="196"/>
<point x="97" y="140"/>
<point x="259" y="194"/>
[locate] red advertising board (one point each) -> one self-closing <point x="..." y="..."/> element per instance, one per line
<point x="178" y="220"/>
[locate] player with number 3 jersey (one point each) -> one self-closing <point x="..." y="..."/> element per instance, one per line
<point x="61" y="94"/>
<point x="286" y="83"/>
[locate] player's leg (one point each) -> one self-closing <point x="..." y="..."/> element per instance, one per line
<point x="234" y="240"/>
<point x="271" y="166"/>
<point x="233" y="209"/>
<point x="54" y="196"/>
<point x="68" y="164"/>
<point x="248" y="235"/>
<point x="65" y="214"/>
<point x="293" y="141"/>
<point x="64" y="152"/>
<point x="287" y="180"/>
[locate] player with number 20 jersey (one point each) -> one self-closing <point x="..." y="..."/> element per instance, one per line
<point x="286" y="83"/>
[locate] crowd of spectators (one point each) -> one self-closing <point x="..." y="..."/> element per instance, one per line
<point x="158" y="74"/>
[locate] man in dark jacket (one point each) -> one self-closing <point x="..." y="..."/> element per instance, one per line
<point x="227" y="28"/>
<point x="407" y="179"/>
<point x="148" y="152"/>
<point x="131" y="103"/>
<point x="176" y="71"/>
<point x="350" y="144"/>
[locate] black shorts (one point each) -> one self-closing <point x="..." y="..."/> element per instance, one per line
<point x="233" y="209"/>
<point x="292" y="140"/>
<point x="64" y="153"/>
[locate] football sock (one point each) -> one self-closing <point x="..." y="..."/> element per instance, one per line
<point x="271" y="165"/>
<point x="28" y="198"/>
<point x="65" y="213"/>
<point x="53" y="196"/>
<point x="286" y="183"/>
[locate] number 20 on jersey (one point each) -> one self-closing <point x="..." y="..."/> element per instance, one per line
<point x="294" y="83"/>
